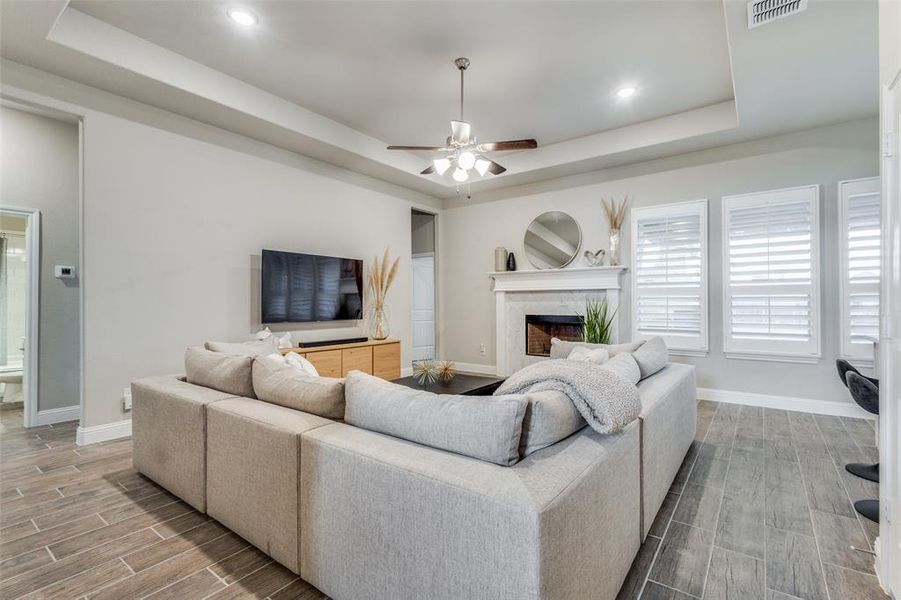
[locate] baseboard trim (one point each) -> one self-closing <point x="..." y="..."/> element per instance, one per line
<point x="103" y="433"/>
<point x="475" y="368"/>
<point x="807" y="405"/>
<point x="58" y="415"/>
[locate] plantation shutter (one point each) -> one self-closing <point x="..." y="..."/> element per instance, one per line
<point x="669" y="283"/>
<point x="861" y="253"/>
<point x="770" y="259"/>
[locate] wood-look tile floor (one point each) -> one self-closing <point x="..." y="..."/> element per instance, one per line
<point x="79" y="522"/>
<point x="761" y="509"/>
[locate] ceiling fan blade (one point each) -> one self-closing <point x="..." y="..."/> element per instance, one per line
<point x="428" y="170"/>
<point x="495" y="169"/>
<point x="420" y="148"/>
<point x="529" y="144"/>
<point x="460" y="131"/>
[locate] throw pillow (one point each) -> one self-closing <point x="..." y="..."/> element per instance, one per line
<point x="255" y="348"/>
<point x="276" y="382"/>
<point x="284" y="339"/>
<point x="651" y="357"/>
<point x="299" y="362"/>
<point x="224" y="372"/>
<point x="485" y="427"/>
<point x="561" y="349"/>
<point x="624" y="365"/>
<point x="597" y="356"/>
<point x="550" y="417"/>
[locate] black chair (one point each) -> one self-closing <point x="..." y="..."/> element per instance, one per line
<point x="866" y="394"/>
<point x="862" y="470"/>
<point x="844" y="367"/>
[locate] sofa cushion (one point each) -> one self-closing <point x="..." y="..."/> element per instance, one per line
<point x="561" y="349"/>
<point x="651" y="356"/>
<point x="597" y="356"/>
<point x="624" y="365"/>
<point x="484" y="427"/>
<point x="224" y="372"/>
<point x="169" y="434"/>
<point x="254" y="348"/>
<point x="279" y="383"/>
<point x="253" y="473"/>
<point x="550" y="417"/>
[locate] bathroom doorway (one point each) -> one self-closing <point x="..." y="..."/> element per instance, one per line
<point x="19" y="271"/>
<point x="424" y="308"/>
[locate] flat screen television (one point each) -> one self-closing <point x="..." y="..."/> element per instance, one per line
<point x="298" y="288"/>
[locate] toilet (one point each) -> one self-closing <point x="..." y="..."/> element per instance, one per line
<point x="12" y="386"/>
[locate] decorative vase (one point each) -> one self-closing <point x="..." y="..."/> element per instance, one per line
<point x="614" y="247"/>
<point x="511" y="262"/>
<point x="500" y="258"/>
<point x="379" y="328"/>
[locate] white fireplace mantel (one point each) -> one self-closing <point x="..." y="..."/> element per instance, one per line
<point x="567" y="280"/>
<point x="561" y="281"/>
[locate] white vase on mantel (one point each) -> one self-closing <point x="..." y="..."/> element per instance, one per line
<point x="500" y="259"/>
<point x="615" y="243"/>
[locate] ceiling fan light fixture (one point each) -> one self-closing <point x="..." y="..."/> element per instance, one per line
<point x="462" y="151"/>
<point x="441" y="165"/>
<point x="466" y="160"/>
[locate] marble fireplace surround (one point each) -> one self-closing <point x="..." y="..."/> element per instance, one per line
<point x="546" y="292"/>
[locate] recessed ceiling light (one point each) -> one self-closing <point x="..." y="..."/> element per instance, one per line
<point x="626" y="92"/>
<point x="242" y="17"/>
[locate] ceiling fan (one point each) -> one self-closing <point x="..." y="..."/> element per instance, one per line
<point x="462" y="149"/>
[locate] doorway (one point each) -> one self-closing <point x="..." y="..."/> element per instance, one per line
<point x="423" y="248"/>
<point x="19" y="260"/>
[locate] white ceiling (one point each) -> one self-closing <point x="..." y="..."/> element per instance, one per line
<point x="544" y="70"/>
<point x="340" y="80"/>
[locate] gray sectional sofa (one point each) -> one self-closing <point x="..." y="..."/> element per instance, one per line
<point x="361" y="513"/>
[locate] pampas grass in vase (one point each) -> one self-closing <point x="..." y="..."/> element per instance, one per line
<point x="616" y="214"/>
<point x="381" y="276"/>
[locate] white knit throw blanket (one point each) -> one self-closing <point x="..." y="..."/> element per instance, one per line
<point x="606" y="401"/>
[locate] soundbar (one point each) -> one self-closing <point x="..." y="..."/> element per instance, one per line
<point x="332" y="342"/>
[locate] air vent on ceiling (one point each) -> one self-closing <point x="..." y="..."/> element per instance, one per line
<point x="761" y="12"/>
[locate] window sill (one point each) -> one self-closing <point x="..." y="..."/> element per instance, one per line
<point x="694" y="353"/>
<point x="806" y="360"/>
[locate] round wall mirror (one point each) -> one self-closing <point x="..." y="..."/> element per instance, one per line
<point x="552" y="240"/>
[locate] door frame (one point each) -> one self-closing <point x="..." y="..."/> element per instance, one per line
<point x="889" y="358"/>
<point x="31" y="358"/>
<point x="435" y="213"/>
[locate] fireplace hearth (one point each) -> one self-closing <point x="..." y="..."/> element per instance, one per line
<point x="541" y="328"/>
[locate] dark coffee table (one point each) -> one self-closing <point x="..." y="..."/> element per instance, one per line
<point x="464" y="385"/>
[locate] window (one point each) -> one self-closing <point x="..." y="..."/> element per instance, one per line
<point x="771" y="275"/>
<point x="859" y="245"/>
<point x="669" y="284"/>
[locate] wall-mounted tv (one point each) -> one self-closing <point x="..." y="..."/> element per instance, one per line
<point x="297" y="288"/>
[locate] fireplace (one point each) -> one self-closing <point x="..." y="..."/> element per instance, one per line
<point x="541" y="328"/>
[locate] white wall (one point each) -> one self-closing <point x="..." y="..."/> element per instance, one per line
<point x="825" y="156"/>
<point x="40" y="170"/>
<point x="173" y="231"/>
<point x="175" y="215"/>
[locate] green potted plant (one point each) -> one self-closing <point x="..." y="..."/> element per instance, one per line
<point x="597" y="321"/>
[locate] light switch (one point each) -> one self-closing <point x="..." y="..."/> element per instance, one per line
<point x="64" y="272"/>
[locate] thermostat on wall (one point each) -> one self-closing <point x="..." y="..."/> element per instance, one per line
<point x="64" y="272"/>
